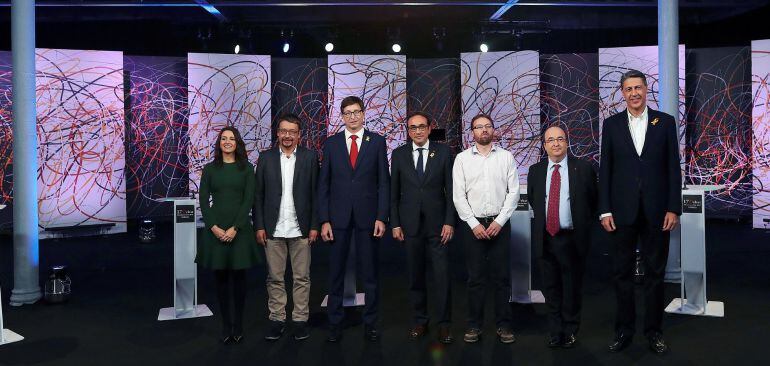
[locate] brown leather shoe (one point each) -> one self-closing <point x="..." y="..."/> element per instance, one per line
<point x="418" y="331"/>
<point x="445" y="335"/>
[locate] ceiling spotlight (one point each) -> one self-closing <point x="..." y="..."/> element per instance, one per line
<point x="396" y="48"/>
<point x="285" y="47"/>
<point x="483" y="47"/>
<point x="237" y="49"/>
<point x="329" y="47"/>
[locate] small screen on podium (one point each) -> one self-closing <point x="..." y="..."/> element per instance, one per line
<point x="692" y="203"/>
<point x="185" y="213"/>
<point x="523" y="204"/>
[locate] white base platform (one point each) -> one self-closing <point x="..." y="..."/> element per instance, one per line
<point x="10" y="336"/>
<point x="713" y="308"/>
<point x="358" y="301"/>
<point x="535" y="297"/>
<point x="199" y="311"/>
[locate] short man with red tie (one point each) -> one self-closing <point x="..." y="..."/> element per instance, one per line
<point x="353" y="201"/>
<point x="562" y="192"/>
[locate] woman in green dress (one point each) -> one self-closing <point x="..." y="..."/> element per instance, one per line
<point x="227" y="245"/>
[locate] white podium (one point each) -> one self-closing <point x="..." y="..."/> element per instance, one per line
<point x="350" y="298"/>
<point x="185" y="270"/>
<point x="6" y="335"/>
<point x="693" y="299"/>
<point x="521" y="253"/>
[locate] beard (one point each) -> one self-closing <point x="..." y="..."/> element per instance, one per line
<point x="484" y="140"/>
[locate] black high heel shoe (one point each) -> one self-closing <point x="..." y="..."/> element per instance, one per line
<point x="227" y="336"/>
<point x="237" y="334"/>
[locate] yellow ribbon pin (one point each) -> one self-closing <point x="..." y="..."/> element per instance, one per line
<point x="655" y="121"/>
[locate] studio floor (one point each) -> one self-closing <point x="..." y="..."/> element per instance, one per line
<point x="118" y="285"/>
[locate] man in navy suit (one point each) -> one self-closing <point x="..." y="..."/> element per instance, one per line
<point x="640" y="187"/>
<point x="353" y="200"/>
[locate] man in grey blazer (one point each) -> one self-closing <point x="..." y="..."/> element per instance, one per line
<point x="286" y="223"/>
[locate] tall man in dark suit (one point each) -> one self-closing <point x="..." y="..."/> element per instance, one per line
<point x="639" y="198"/>
<point x="353" y="198"/>
<point x="562" y="192"/>
<point x="286" y="223"/>
<point x="422" y="215"/>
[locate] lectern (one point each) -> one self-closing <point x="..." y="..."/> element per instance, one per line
<point x="521" y="253"/>
<point x="6" y="335"/>
<point x="185" y="270"/>
<point x="693" y="299"/>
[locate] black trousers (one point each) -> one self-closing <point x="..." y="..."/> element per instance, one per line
<point x="224" y="279"/>
<point x="488" y="258"/>
<point x="367" y="253"/>
<point x="654" y="250"/>
<point x="563" y="270"/>
<point x="420" y="249"/>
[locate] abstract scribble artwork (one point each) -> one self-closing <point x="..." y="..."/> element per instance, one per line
<point x="299" y="87"/>
<point x="719" y="127"/>
<point x="226" y="90"/>
<point x="614" y="62"/>
<point x="380" y="81"/>
<point x="569" y="92"/>
<point x="156" y="133"/>
<point x="506" y="86"/>
<point x="760" y="90"/>
<point x="6" y="138"/>
<point x="433" y="87"/>
<point x="80" y="124"/>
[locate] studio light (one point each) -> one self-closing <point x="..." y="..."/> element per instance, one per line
<point x="396" y="48"/>
<point x="237" y="49"/>
<point x="329" y="47"/>
<point x="286" y="47"/>
<point x="483" y="47"/>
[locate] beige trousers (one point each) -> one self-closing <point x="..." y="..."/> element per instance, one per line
<point x="276" y="250"/>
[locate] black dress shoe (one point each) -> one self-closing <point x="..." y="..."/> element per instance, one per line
<point x="371" y="334"/>
<point x="657" y="343"/>
<point x="445" y="335"/>
<point x="554" y="341"/>
<point x="569" y="341"/>
<point x="621" y="342"/>
<point x="335" y="334"/>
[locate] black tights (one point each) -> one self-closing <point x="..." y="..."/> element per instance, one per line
<point x="238" y="279"/>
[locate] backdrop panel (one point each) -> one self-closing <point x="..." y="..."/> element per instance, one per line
<point x="433" y="86"/>
<point x="6" y="139"/>
<point x="719" y="127"/>
<point x="156" y="133"/>
<point x="226" y="90"/>
<point x="569" y="91"/>
<point x="81" y="155"/>
<point x="613" y="62"/>
<point x="380" y="81"/>
<point x="760" y="90"/>
<point x="506" y="86"/>
<point x="299" y="87"/>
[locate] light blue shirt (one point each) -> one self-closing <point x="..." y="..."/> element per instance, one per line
<point x="565" y="215"/>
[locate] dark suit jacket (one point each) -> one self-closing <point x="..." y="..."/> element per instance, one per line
<point x="582" y="193"/>
<point x="361" y="192"/>
<point x="431" y="196"/>
<point x="269" y="188"/>
<point x="655" y="176"/>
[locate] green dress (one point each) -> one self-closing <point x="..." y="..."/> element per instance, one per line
<point x="232" y="195"/>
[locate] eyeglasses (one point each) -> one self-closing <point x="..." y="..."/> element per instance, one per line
<point x="288" y="132"/>
<point x="481" y="127"/>
<point x="420" y="128"/>
<point x="351" y="114"/>
<point x="551" y="140"/>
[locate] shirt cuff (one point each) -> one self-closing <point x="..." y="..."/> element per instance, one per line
<point x="497" y="220"/>
<point x="472" y="222"/>
<point x="608" y="214"/>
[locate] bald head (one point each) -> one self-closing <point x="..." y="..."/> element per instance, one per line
<point x="555" y="143"/>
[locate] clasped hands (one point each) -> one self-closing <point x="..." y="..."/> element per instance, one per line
<point x="225" y="236"/>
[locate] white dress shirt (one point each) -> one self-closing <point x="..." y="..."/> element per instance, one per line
<point x="485" y="186"/>
<point x="565" y="214"/>
<point x="638" y="128"/>
<point x="416" y="154"/>
<point x="349" y="141"/>
<point x="287" y="225"/>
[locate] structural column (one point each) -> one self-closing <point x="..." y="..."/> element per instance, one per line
<point x="668" y="56"/>
<point x="26" y="285"/>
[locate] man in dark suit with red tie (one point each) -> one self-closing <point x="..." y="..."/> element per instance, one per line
<point x="353" y="198"/>
<point x="562" y="192"/>
<point x="640" y="187"/>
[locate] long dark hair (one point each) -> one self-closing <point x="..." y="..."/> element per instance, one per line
<point x="240" y="148"/>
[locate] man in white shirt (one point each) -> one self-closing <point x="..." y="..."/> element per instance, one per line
<point x="485" y="192"/>
<point x="286" y="223"/>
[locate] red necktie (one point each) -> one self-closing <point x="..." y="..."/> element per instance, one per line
<point x="353" y="151"/>
<point x="552" y="219"/>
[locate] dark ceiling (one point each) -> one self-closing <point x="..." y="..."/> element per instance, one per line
<point x="425" y="28"/>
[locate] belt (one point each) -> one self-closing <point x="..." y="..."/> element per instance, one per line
<point x="486" y="220"/>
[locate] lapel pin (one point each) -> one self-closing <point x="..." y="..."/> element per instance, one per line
<point x="655" y="121"/>
<point x="366" y="139"/>
<point x="431" y="154"/>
